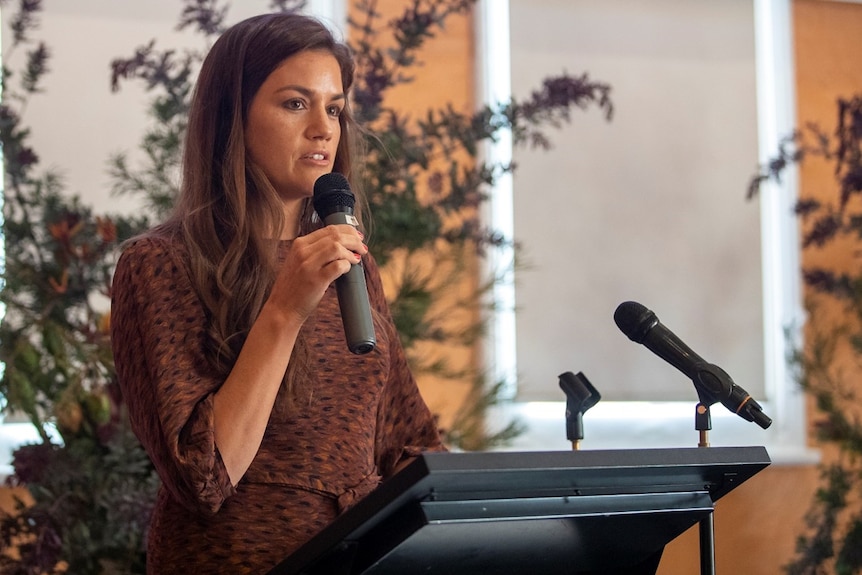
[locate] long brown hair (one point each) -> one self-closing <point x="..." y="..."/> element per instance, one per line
<point x="228" y="212"/>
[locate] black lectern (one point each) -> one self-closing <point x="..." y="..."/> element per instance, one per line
<point x="544" y="513"/>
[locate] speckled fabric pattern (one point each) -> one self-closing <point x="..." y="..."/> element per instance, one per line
<point x="349" y="427"/>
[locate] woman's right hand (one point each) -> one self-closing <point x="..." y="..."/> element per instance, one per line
<point x="313" y="262"/>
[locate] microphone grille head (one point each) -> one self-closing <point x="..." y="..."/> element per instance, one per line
<point x="332" y="191"/>
<point x="634" y="320"/>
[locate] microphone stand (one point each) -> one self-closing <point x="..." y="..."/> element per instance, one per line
<point x="713" y="385"/>
<point x="703" y="423"/>
<point x="580" y="396"/>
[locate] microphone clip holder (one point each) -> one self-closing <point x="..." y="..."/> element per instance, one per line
<point x="711" y="383"/>
<point x="714" y="385"/>
<point x="702" y="423"/>
<point x="580" y="396"/>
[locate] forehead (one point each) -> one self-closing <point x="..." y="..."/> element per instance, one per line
<point x="317" y="69"/>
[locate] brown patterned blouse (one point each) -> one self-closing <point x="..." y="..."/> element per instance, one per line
<point x="363" y="414"/>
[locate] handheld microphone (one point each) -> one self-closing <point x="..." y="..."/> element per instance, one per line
<point x="333" y="202"/>
<point x="713" y="384"/>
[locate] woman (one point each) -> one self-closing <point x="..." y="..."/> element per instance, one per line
<point x="226" y="329"/>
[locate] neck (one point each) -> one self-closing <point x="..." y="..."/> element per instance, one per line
<point x="292" y="213"/>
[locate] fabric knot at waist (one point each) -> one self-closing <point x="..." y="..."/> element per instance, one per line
<point x="345" y="496"/>
<point x="351" y="495"/>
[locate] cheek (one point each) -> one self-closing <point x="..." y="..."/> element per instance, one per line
<point x="264" y="127"/>
<point x="254" y="142"/>
<point x="266" y="145"/>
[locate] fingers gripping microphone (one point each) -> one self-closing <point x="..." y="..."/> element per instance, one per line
<point x="713" y="384"/>
<point x="333" y="202"/>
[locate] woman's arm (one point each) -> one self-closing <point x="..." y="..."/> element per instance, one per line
<point x="243" y="404"/>
<point x="200" y="429"/>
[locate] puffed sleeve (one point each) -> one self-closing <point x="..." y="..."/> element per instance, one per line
<point x="158" y="339"/>
<point x="405" y="425"/>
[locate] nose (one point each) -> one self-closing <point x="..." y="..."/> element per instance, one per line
<point x="320" y="124"/>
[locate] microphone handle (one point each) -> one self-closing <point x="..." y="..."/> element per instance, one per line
<point x="353" y="298"/>
<point x="712" y="383"/>
<point x="662" y="342"/>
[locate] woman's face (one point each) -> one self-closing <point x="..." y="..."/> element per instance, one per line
<point x="292" y="130"/>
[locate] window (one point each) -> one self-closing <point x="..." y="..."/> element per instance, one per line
<point x="703" y="93"/>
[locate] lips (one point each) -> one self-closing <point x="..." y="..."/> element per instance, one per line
<point x="316" y="156"/>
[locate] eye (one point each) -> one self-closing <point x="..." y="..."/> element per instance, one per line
<point x="294" y="104"/>
<point x="334" y="110"/>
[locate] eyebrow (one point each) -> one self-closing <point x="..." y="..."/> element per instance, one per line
<point x="307" y="92"/>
